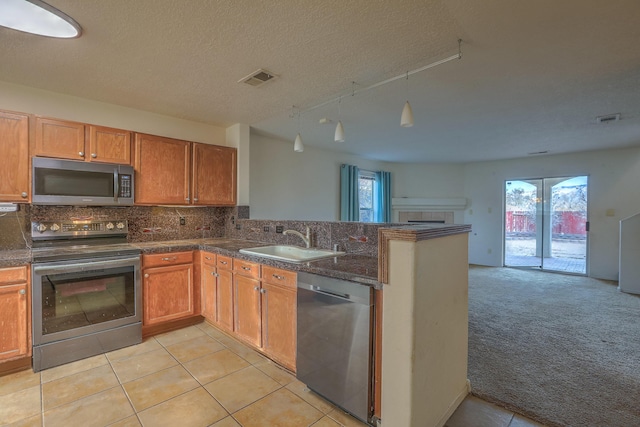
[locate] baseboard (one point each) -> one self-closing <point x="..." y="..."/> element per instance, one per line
<point x="454" y="405"/>
<point x="149" y="331"/>
<point x="16" y="365"/>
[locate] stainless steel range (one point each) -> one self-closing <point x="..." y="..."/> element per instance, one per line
<point x="86" y="290"/>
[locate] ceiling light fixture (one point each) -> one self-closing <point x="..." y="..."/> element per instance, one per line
<point x="406" y="119"/>
<point x="298" y="146"/>
<point x="339" y="135"/>
<point x="37" y="17"/>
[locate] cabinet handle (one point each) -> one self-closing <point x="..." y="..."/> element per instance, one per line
<point x="146" y="275"/>
<point x="215" y="274"/>
<point x="263" y="291"/>
<point x="195" y="199"/>
<point x="207" y="258"/>
<point x="24" y="194"/>
<point x="187" y="199"/>
<point x="22" y="292"/>
<point x="277" y="276"/>
<point x="223" y="262"/>
<point x="81" y="153"/>
<point x="94" y="155"/>
<point x="256" y="288"/>
<point x="169" y="259"/>
<point x="246" y="268"/>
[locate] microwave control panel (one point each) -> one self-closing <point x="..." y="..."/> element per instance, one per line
<point x="125" y="186"/>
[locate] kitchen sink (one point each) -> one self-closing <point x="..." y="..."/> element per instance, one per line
<point x="291" y="253"/>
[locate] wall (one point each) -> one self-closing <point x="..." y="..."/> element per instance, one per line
<point x="303" y="186"/>
<point x="613" y="184"/>
<point x="422" y="180"/>
<point x="37" y="101"/>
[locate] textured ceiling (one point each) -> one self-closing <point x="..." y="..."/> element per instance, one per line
<point x="533" y="77"/>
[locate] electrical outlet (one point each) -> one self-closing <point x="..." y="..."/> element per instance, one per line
<point x="279" y="229"/>
<point x="238" y="227"/>
<point x="183" y="221"/>
<point x="265" y="228"/>
<point x="233" y="220"/>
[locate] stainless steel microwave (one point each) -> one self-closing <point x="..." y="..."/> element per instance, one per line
<point x="71" y="182"/>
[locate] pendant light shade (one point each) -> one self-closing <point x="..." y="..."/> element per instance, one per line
<point x="339" y="136"/>
<point x="406" y="120"/>
<point x="37" y="17"/>
<point x="298" y="147"/>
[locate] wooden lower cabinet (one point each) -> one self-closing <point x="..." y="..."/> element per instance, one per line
<point x="248" y="322"/>
<point x="168" y="287"/>
<point x="209" y="292"/>
<point x="279" y="323"/>
<point x="225" y="299"/>
<point x="15" y="314"/>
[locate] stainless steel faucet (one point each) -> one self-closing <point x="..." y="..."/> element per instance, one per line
<point x="306" y="239"/>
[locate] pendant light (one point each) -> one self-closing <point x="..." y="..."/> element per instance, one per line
<point x="298" y="146"/>
<point x="339" y="135"/>
<point x="406" y="119"/>
<point x="37" y="17"/>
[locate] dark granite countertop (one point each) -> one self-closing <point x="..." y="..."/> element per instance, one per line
<point x="353" y="267"/>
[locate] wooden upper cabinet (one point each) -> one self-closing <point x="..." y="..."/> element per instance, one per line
<point x="69" y="140"/>
<point x="60" y="139"/>
<point x="162" y="168"/>
<point x="108" y="145"/>
<point x="14" y="157"/>
<point x="214" y="175"/>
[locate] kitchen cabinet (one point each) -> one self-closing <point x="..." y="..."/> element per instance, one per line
<point x="279" y="293"/>
<point x="162" y="168"/>
<point x="214" y="175"/>
<point x="14" y="157"/>
<point x="15" y="314"/>
<point x="209" y="283"/>
<point x="225" y="297"/>
<point x="77" y="141"/>
<point x="168" y="289"/>
<point x="246" y="293"/>
<point x="172" y="171"/>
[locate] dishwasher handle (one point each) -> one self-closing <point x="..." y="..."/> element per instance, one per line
<point x="319" y="290"/>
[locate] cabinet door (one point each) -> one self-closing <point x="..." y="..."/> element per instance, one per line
<point x="248" y="322"/>
<point x="14" y="157"/>
<point x="279" y="323"/>
<point x="14" y="334"/>
<point x="162" y="170"/>
<point x="209" y="292"/>
<point x="168" y="293"/>
<point x="60" y="139"/>
<point x="214" y="175"/>
<point x="108" y="145"/>
<point x="225" y="299"/>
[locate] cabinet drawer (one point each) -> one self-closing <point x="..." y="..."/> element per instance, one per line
<point x="13" y="275"/>
<point x="208" y="258"/>
<point x="246" y="268"/>
<point x="171" y="258"/>
<point x="278" y="276"/>
<point x="224" y="262"/>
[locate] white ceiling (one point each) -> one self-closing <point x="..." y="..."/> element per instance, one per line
<point x="533" y="77"/>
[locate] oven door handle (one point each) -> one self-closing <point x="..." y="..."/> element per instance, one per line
<point x="85" y="266"/>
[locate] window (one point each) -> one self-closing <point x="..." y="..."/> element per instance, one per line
<point x="366" y="183"/>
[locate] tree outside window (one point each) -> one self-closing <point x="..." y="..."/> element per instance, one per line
<point x="366" y="182"/>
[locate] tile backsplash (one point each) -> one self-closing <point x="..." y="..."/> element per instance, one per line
<point x="156" y="223"/>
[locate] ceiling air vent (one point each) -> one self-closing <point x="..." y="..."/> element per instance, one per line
<point x="258" y="78"/>
<point x="608" y="118"/>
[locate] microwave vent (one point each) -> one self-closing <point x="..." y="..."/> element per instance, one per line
<point x="608" y="118"/>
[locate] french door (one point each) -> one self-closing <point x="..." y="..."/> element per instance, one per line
<point x="546" y="224"/>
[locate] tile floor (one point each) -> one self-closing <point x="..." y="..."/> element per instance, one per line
<point x="197" y="376"/>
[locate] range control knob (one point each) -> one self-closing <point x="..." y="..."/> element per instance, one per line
<point x="120" y="225"/>
<point x="41" y="228"/>
<point x="54" y="227"/>
<point x="110" y="226"/>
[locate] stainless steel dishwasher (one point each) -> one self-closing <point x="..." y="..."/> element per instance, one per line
<point x="335" y="344"/>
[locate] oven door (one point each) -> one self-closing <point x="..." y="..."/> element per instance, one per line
<point x="75" y="298"/>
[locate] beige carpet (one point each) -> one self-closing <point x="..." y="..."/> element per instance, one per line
<point x="563" y="350"/>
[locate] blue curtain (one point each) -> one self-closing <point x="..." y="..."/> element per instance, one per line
<point x="349" y="202"/>
<point x="382" y="197"/>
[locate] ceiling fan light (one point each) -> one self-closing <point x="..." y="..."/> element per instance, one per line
<point x="406" y="120"/>
<point x="37" y="17"/>
<point x="298" y="146"/>
<point x="339" y="136"/>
